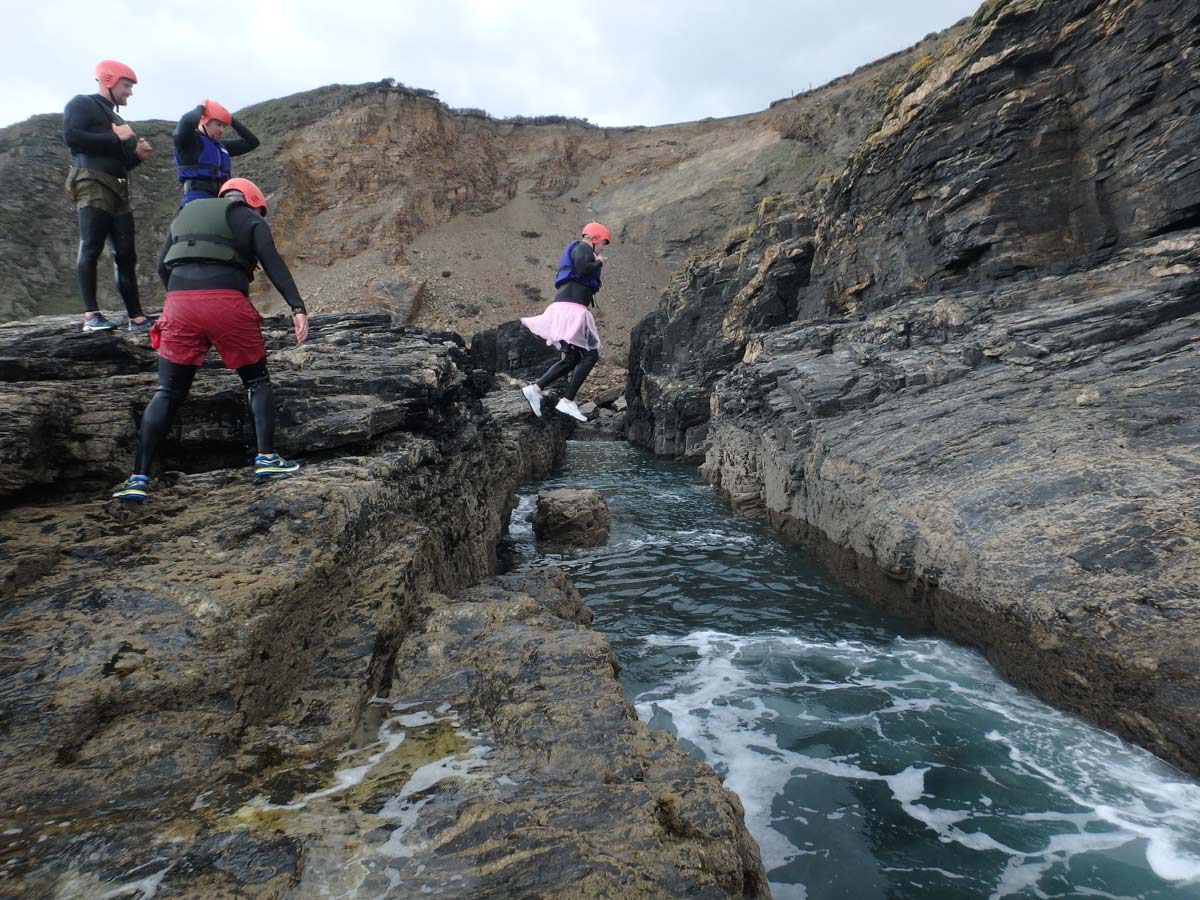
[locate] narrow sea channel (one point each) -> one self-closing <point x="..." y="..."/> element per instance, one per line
<point x="873" y="761"/>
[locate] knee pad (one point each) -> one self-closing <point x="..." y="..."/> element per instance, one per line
<point x="254" y="375"/>
<point x="173" y="395"/>
<point x="256" y="385"/>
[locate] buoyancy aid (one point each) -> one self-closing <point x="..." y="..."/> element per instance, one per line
<point x="212" y="168"/>
<point x="566" y="271"/>
<point x="201" y="233"/>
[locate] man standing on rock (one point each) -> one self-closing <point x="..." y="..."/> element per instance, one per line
<point x="207" y="262"/>
<point x="202" y="159"/>
<point x="568" y="324"/>
<point x="103" y="150"/>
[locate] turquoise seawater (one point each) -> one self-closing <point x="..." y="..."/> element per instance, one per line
<point x="873" y="761"/>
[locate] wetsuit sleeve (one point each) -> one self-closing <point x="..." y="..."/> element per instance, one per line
<point x="187" y="141"/>
<point x="245" y="141"/>
<point x="584" y="261"/>
<point x="164" y="274"/>
<point x="85" y="131"/>
<point x="274" y="266"/>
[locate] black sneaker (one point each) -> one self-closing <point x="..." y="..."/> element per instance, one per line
<point x="98" y="323"/>
<point x="141" y="327"/>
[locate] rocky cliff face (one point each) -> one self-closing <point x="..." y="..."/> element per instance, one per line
<point x="253" y="690"/>
<point x="1049" y="132"/>
<point x="700" y="329"/>
<point x="969" y="388"/>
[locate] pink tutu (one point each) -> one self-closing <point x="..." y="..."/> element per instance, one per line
<point x="566" y="321"/>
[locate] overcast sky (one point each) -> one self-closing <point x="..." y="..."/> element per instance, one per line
<point x="617" y="63"/>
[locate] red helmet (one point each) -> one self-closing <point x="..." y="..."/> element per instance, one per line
<point x="214" y="110"/>
<point x="597" y="233"/>
<point x="109" y="72"/>
<point x="249" y="190"/>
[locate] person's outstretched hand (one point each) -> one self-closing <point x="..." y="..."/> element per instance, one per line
<point x="300" y="323"/>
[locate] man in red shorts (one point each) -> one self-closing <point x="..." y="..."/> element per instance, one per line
<point x="207" y="263"/>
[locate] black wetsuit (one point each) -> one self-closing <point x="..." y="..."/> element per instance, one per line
<point x="575" y="360"/>
<point x="187" y="148"/>
<point x="87" y="132"/>
<point x="254" y="243"/>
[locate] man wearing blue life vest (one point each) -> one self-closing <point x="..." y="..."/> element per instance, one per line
<point x="568" y="324"/>
<point x="202" y="159"/>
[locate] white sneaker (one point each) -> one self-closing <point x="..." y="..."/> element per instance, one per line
<point x="571" y="409"/>
<point x="534" y="397"/>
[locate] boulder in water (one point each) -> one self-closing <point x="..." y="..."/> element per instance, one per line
<point x="578" y="517"/>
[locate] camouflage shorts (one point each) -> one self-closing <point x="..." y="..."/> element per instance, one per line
<point x="87" y="187"/>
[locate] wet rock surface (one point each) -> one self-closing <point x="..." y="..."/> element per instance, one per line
<point x="174" y="672"/>
<point x="969" y="386"/>
<point x="507" y="763"/>
<point x="571" y="517"/>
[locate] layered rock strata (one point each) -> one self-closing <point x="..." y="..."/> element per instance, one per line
<point x="181" y="677"/>
<point x="972" y="391"/>
<point x="700" y="329"/>
<point x="1017" y="468"/>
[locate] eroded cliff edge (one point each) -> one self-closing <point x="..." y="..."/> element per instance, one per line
<point x="312" y="685"/>
<point x="968" y="376"/>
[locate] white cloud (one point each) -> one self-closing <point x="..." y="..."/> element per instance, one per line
<point x="615" y="64"/>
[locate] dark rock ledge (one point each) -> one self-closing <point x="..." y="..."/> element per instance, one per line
<point x="182" y="683"/>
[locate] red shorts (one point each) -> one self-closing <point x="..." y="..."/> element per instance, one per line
<point x="194" y="321"/>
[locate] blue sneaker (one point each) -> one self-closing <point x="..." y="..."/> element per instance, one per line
<point x="98" y="323"/>
<point x="141" y="327"/>
<point x="134" y="489"/>
<point x="272" y="465"/>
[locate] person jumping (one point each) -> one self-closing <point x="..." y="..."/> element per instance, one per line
<point x="568" y="324"/>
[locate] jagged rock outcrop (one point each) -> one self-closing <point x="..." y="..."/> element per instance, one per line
<point x="700" y="329"/>
<point x="179" y="675"/>
<point x="1049" y="132"/>
<point x="512" y="349"/>
<point x="74" y="400"/>
<point x="980" y="413"/>
<point x="575" y="517"/>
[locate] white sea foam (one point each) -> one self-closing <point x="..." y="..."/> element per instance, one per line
<point x="404" y="809"/>
<point x="1108" y="793"/>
